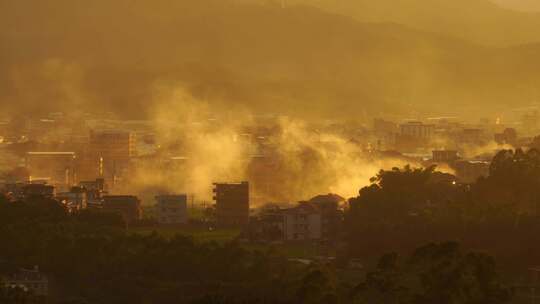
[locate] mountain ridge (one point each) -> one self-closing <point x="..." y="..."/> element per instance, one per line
<point x="298" y="59"/>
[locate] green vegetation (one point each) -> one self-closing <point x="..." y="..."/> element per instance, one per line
<point x="198" y="234"/>
<point x="406" y="208"/>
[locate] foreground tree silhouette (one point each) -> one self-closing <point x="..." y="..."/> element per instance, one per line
<point x="435" y="273"/>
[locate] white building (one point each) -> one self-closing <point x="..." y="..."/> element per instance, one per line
<point x="172" y="209"/>
<point x="417" y="129"/>
<point x="302" y="223"/>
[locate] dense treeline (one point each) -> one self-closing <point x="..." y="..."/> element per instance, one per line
<point x="405" y="208"/>
<point x="92" y="259"/>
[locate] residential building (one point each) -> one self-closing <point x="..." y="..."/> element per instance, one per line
<point x="331" y="215"/>
<point x="302" y="223"/>
<point x="109" y="153"/>
<point x="74" y="200"/>
<point x="58" y="168"/>
<point x="417" y="129"/>
<point x="445" y="156"/>
<point x="232" y="203"/>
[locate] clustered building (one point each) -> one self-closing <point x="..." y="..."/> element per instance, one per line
<point x="100" y="158"/>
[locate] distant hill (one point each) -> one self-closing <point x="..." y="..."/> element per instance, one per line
<point x="104" y="54"/>
<point x="479" y="21"/>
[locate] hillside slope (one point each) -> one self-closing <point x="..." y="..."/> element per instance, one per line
<point x="110" y="54"/>
<point x="479" y="21"/>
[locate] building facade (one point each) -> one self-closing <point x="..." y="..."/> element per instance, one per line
<point x="302" y="223"/>
<point x="232" y="203"/>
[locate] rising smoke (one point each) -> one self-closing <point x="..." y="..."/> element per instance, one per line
<point x="285" y="159"/>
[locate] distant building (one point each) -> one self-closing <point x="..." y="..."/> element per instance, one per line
<point x="98" y="185"/>
<point x="14" y="191"/>
<point x="126" y="205"/>
<point x="302" y="223"/>
<point x="56" y="167"/>
<point x="331" y="216"/>
<point x="445" y="156"/>
<point x="74" y="200"/>
<point x="109" y="154"/>
<point x="41" y="190"/>
<point x="29" y="280"/>
<point x="417" y="129"/>
<point x="95" y="190"/>
<point x="172" y="209"/>
<point x="113" y="144"/>
<point x="232" y="203"/>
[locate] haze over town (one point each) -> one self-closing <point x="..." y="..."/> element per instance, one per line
<point x="269" y="151"/>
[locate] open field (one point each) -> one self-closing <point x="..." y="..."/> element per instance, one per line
<point x="289" y="250"/>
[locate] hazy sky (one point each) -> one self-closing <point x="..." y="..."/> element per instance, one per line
<point x="526" y="5"/>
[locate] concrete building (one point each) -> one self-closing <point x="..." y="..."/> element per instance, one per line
<point x="28" y="280"/>
<point x="331" y="215"/>
<point x="95" y="190"/>
<point x="113" y="144"/>
<point x="74" y="200"/>
<point x="417" y="129"/>
<point x="126" y="205"/>
<point x="58" y="168"/>
<point x="445" y="156"/>
<point x="172" y="209"/>
<point x="109" y="154"/>
<point x="302" y="223"/>
<point x="232" y="203"/>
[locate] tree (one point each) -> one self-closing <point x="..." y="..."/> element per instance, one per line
<point x="434" y="273"/>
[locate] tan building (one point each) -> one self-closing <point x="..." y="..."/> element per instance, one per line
<point x="109" y="154"/>
<point x="302" y="223"/>
<point x="58" y="168"/>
